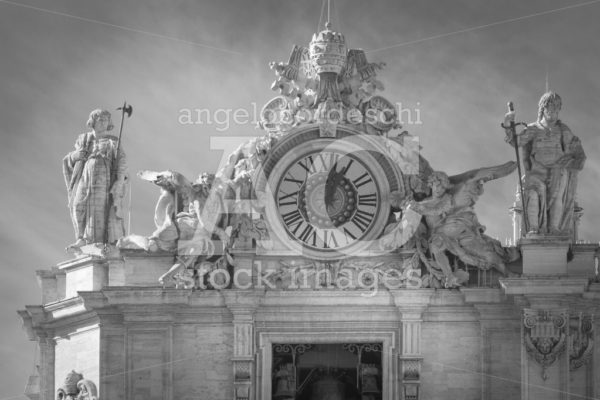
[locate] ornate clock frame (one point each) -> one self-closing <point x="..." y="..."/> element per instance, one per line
<point x="368" y="151"/>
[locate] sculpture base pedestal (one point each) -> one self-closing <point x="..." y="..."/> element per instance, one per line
<point x="545" y="255"/>
<point x="86" y="273"/>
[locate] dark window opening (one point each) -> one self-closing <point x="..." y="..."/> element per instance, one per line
<point x="332" y="371"/>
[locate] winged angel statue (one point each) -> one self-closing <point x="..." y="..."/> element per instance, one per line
<point x="192" y="217"/>
<point x="453" y="227"/>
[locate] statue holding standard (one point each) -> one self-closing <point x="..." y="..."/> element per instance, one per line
<point x="552" y="156"/>
<point x="87" y="171"/>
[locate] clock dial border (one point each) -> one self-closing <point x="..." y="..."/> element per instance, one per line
<point x="304" y="140"/>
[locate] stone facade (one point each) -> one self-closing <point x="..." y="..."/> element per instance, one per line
<point x="148" y="342"/>
<point x="326" y="260"/>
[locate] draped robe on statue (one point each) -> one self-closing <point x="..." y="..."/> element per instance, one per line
<point x="88" y="185"/>
<point x="552" y="158"/>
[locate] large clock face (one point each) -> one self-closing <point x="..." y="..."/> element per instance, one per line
<point x="327" y="200"/>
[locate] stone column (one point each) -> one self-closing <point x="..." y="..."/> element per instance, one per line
<point x="243" y="304"/>
<point x="47" y="384"/>
<point x="411" y="304"/>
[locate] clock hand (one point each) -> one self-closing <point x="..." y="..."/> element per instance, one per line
<point x="331" y="184"/>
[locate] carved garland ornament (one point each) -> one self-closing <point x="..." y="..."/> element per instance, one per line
<point x="581" y="343"/>
<point x="545" y="335"/>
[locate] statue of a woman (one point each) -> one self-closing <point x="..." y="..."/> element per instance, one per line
<point x="95" y="176"/>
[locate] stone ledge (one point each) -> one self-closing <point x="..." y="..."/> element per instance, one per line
<point x="483" y="295"/>
<point x="80" y="261"/>
<point x="325" y="297"/>
<point x="553" y="285"/>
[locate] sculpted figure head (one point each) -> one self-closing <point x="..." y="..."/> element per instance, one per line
<point x="549" y="106"/>
<point x="438" y="182"/>
<point x="206" y="179"/>
<point x="102" y="115"/>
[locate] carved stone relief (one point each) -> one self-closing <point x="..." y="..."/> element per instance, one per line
<point x="545" y="335"/>
<point x="77" y="388"/>
<point x="581" y="340"/>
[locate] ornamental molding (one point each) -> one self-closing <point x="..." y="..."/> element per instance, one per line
<point x="581" y="340"/>
<point x="545" y="335"/>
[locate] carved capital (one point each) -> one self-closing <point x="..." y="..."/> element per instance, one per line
<point x="412" y="304"/>
<point x="242" y="303"/>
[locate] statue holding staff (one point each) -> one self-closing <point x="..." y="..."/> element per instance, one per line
<point x="552" y="156"/>
<point x="94" y="172"/>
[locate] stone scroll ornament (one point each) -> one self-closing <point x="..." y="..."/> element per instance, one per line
<point x="581" y="343"/>
<point x="75" y="387"/>
<point x="545" y="336"/>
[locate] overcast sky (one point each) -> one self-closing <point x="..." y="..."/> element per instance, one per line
<point x="57" y="64"/>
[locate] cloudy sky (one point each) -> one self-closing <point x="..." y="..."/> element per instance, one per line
<point x="457" y="62"/>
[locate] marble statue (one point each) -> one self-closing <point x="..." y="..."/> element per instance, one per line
<point x="96" y="177"/>
<point x="75" y="387"/>
<point x="452" y="225"/>
<point x="186" y="216"/>
<point x="329" y="84"/>
<point x="192" y="219"/>
<point x="552" y="156"/>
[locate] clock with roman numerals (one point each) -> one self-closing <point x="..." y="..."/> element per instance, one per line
<point x="327" y="200"/>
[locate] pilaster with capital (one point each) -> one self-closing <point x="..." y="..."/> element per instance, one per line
<point x="411" y="306"/>
<point x="242" y="305"/>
